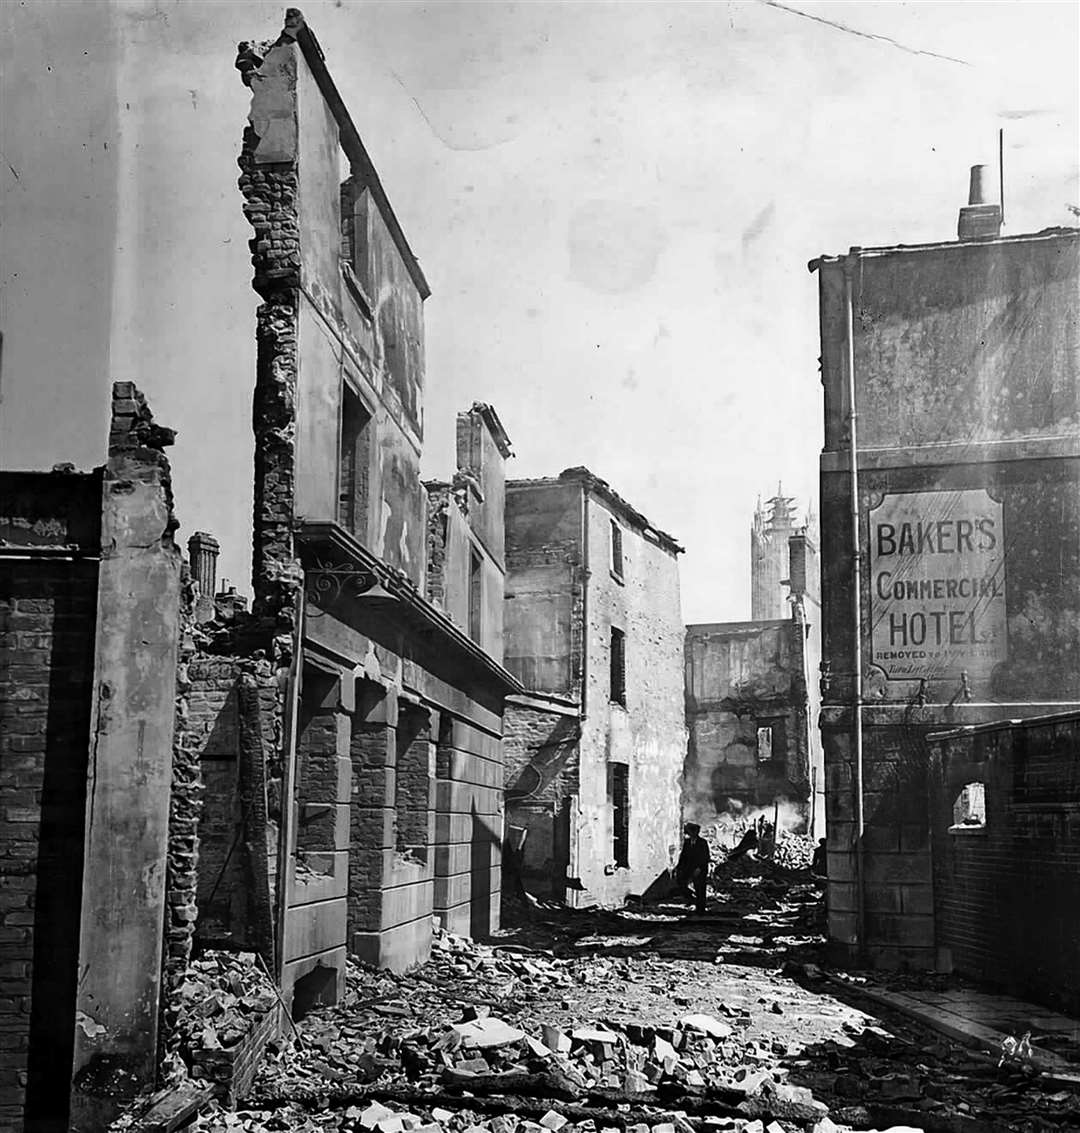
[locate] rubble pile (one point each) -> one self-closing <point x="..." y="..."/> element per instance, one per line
<point x="223" y="997"/>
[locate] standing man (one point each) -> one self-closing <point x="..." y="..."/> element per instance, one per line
<point x="692" y="869"/>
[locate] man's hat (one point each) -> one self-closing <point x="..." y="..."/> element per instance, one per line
<point x="692" y="828"/>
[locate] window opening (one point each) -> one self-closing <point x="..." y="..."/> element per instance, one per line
<point x="412" y="784"/>
<point x="476" y="594"/>
<point x="353" y="463"/>
<point x="620" y="814"/>
<point x="618" y="666"/>
<point x="765" y="743"/>
<point x="969" y="810"/>
<point x="616" y="550"/>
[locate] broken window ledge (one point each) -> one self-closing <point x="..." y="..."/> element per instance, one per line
<point x="969" y="828"/>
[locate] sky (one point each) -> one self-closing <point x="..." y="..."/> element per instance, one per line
<point x="614" y="204"/>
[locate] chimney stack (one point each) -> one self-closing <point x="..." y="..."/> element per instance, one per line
<point x="203" y="550"/>
<point x="979" y="219"/>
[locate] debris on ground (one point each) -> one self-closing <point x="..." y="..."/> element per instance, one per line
<point x="647" y="1019"/>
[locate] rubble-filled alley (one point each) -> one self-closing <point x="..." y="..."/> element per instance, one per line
<point x="646" y="1018"/>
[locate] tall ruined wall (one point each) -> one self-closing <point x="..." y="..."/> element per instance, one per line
<point x="47" y="616"/>
<point x="740" y="677"/>
<point x="647" y="734"/>
<point x="968" y="383"/>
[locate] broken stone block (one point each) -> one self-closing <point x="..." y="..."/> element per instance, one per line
<point x="664" y="1127"/>
<point x="554" y="1039"/>
<point x="707" y="1025"/>
<point x="553" y="1121"/>
<point x="594" y="1035"/>
<point x="374" y="1113"/>
<point x="441" y="1115"/>
<point x="537" y="1048"/>
<point x="825" y="1125"/>
<point x="634" y="1082"/>
<point x="391" y="1124"/>
<point x="488" y="1032"/>
<point x="473" y="1066"/>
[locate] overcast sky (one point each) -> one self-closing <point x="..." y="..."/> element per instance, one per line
<point x="614" y="204"/>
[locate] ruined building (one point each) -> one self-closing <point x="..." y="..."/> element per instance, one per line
<point x="956" y="603"/>
<point x="751" y="689"/>
<point x="595" y="745"/>
<point x="377" y="772"/>
<point x="320" y="774"/>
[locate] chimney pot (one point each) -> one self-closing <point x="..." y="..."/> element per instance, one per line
<point x="979" y="185"/>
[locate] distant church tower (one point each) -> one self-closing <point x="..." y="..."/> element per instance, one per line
<point x="769" y="557"/>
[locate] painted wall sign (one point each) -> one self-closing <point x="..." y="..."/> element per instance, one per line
<point x="937" y="584"/>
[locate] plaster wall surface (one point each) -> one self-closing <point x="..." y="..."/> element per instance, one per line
<point x="129" y="772"/>
<point x="967" y="379"/>
<point x="648" y="733"/>
<point x="544" y="553"/>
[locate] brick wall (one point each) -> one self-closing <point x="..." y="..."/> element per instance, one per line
<point x="1007" y="894"/>
<point x="47" y="613"/>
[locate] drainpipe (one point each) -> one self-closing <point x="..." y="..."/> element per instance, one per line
<point x="584" y="601"/>
<point x="856" y="602"/>
<point x="286" y="833"/>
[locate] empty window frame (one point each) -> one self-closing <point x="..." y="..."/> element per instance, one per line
<point x="764" y="743"/>
<point x="476" y="595"/>
<point x="620" y="814"/>
<point x="618" y="666"/>
<point x="616" y="550"/>
<point x="969" y="809"/>
<point x="353" y="463"/>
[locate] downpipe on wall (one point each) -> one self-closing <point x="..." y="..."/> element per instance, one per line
<point x="856" y="602"/>
<point x="288" y="787"/>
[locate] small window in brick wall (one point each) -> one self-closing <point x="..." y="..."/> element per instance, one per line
<point x="969" y="810"/>
<point x="618" y="666"/>
<point x="620" y="814"/>
<point x="616" y="550"/>
<point x="765" y="743"/>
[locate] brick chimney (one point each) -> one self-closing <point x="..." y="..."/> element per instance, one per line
<point x="979" y="219"/>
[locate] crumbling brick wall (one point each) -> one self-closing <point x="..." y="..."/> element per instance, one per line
<point x="1007" y="893"/>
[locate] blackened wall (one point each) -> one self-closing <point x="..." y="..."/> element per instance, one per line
<point x="47" y="611"/>
<point x="1007" y="892"/>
